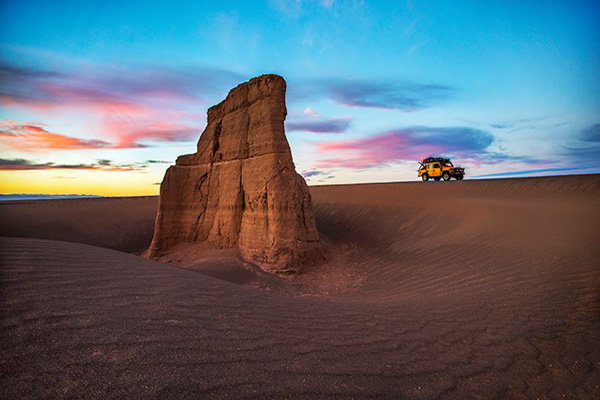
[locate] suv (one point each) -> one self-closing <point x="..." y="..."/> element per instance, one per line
<point x="439" y="168"/>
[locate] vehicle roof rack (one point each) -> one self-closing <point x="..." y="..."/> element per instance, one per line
<point x="436" y="159"/>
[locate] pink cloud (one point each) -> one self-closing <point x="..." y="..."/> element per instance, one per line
<point x="367" y="152"/>
<point x="82" y="96"/>
<point x="312" y="112"/>
<point x="132" y="106"/>
<point x="404" y="144"/>
<point x="110" y="90"/>
<point x="129" y="132"/>
<point x="28" y="137"/>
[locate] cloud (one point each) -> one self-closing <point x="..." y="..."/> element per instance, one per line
<point x="310" y="174"/>
<point x="458" y="140"/>
<point x="390" y="95"/>
<point x="130" y="132"/>
<point x="406" y="97"/>
<point x="337" y="125"/>
<point x="52" y="90"/>
<point x="21" y="164"/>
<point x="404" y="144"/>
<point x="9" y="72"/>
<point x="591" y="133"/>
<point x="102" y="100"/>
<point x="320" y="176"/>
<point x="584" y="147"/>
<point x="498" y="158"/>
<point x="312" y="112"/>
<point x="110" y="90"/>
<point x="527" y="123"/>
<point x="133" y="106"/>
<point x="160" y="104"/>
<point x="33" y="137"/>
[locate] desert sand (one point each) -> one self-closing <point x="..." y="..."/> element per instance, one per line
<point x="449" y="290"/>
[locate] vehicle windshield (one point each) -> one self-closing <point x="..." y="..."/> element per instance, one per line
<point x="447" y="164"/>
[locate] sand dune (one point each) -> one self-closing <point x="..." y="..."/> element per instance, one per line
<point x="472" y="289"/>
<point x="119" y="223"/>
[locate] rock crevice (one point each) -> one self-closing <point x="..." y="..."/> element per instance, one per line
<point x="240" y="189"/>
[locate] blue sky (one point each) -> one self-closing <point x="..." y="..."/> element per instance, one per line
<point x="92" y="89"/>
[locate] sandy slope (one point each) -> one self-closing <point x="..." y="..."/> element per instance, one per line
<point x="120" y="223"/>
<point x="473" y="289"/>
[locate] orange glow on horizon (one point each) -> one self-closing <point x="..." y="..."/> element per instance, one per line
<point x="89" y="182"/>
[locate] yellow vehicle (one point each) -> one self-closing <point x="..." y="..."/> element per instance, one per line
<point x="439" y="168"/>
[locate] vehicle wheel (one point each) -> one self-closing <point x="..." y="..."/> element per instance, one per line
<point x="425" y="177"/>
<point x="446" y="176"/>
<point x="459" y="177"/>
<point x="437" y="178"/>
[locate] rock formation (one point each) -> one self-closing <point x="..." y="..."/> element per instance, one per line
<point x="240" y="188"/>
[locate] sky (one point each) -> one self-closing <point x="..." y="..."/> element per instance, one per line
<point x="101" y="97"/>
